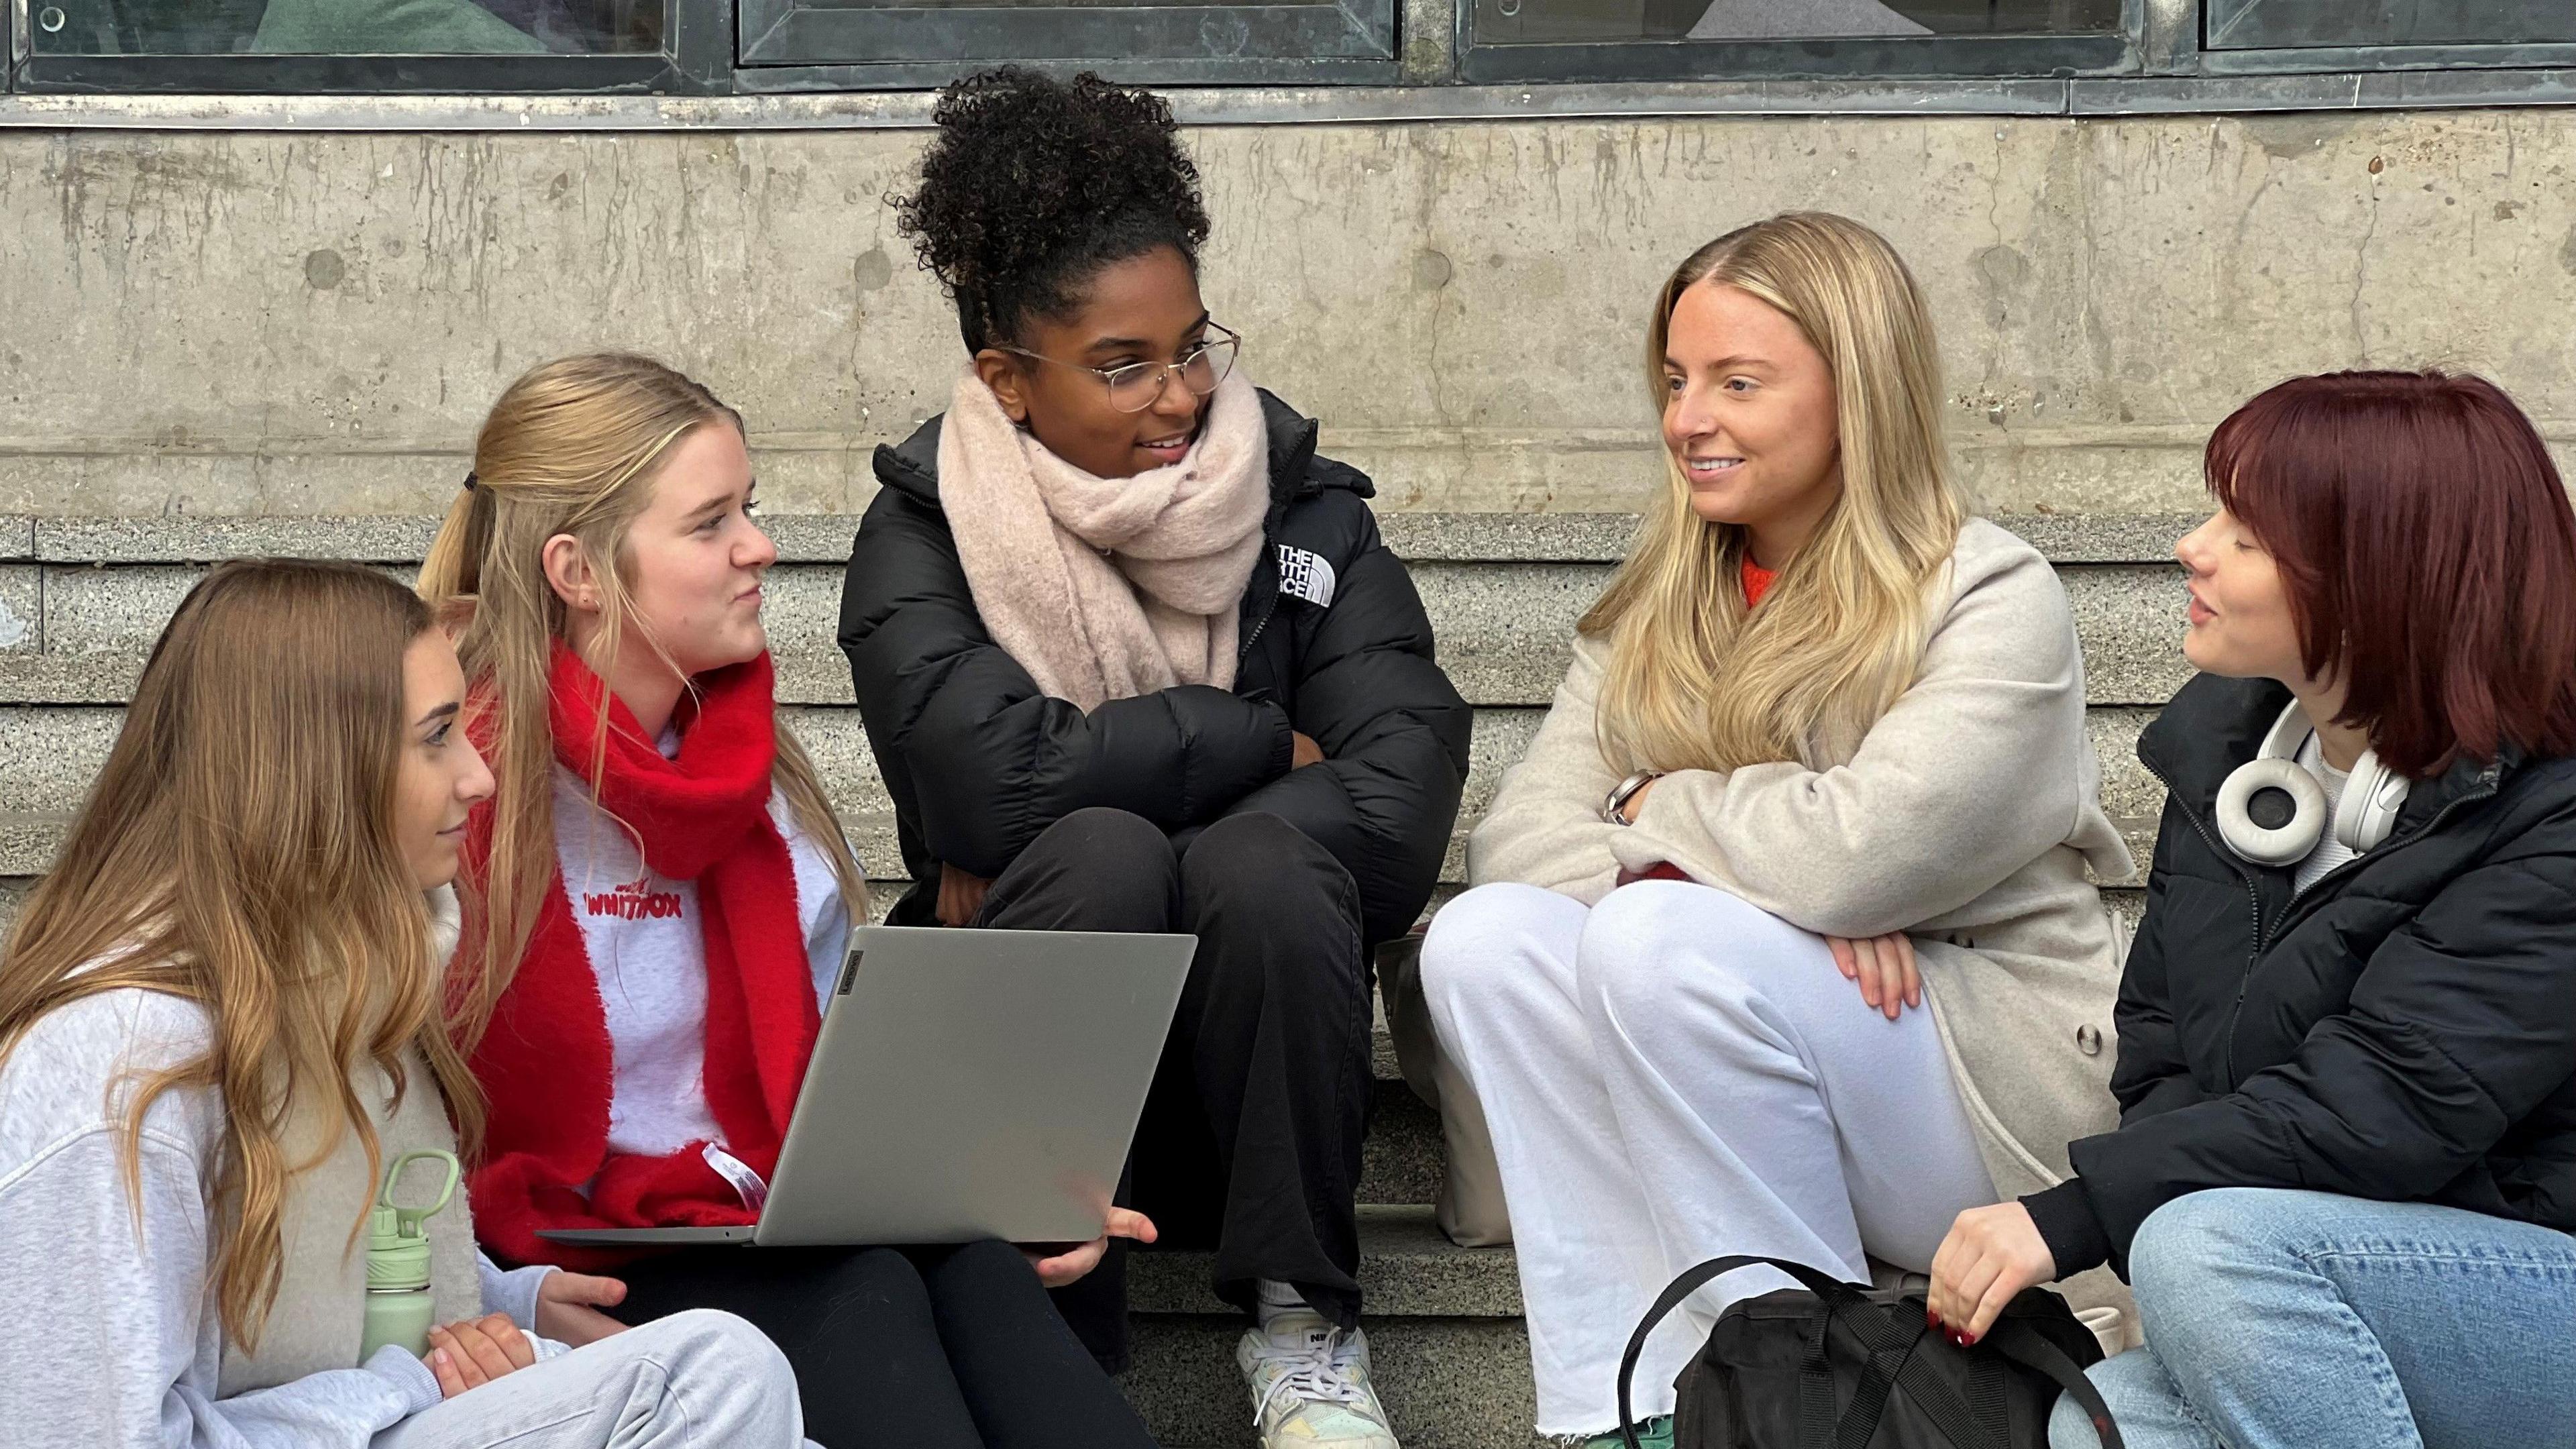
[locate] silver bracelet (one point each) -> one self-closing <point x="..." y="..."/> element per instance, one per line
<point x="1614" y="809"/>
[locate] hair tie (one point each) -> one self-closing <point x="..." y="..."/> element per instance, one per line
<point x="472" y="482"/>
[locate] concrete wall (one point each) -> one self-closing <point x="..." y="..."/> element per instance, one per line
<point x="264" y="323"/>
<point x="267" y="329"/>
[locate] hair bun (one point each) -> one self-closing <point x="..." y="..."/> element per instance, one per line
<point x="1034" y="182"/>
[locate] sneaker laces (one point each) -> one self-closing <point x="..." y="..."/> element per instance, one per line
<point x="1315" y="1374"/>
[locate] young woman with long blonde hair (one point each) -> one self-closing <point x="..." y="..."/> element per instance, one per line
<point x="1823" y="730"/>
<point x="221" y="1017"/>
<point x="667" y="897"/>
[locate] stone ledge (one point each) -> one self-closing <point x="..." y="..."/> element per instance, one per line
<point x="825" y="537"/>
<point x="1504" y="628"/>
<point x="53" y="753"/>
<point x="1407" y="1270"/>
<point x="201" y="538"/>
<point x="28" y="843"/>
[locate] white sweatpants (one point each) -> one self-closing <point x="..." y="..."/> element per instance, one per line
<point x="695" y="1380"/>
<point x="1672" y="1076"/>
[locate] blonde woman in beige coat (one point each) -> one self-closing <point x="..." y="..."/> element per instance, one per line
<point x="1782" y="941"/>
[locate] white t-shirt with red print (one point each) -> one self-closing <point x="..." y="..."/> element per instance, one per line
<point x="641" y="931"/>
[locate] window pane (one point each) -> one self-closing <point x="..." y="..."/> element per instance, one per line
<point x="2295" y="24"/>
<point x="971" y="32"/>
<point x="346" y="27"/>
<point x="1543" y="21"/>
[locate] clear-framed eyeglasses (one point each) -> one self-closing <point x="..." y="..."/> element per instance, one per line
<point x="1139" y="385"/>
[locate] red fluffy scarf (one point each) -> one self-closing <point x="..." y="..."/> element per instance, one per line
<point x="546" y="1063"/>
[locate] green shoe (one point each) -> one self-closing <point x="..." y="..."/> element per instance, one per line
<point x="1655" y="1433"/>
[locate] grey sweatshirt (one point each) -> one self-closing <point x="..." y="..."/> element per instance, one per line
<point x="109" y="1334"/>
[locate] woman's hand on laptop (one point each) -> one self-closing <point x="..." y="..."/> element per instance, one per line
<point x="1063" y="1268"/>
<point x="568" y="1307"/>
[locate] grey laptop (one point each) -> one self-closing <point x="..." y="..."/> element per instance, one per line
<point x="967" y="1084"/>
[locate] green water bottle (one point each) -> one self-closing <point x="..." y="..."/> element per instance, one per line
<point x="399" y="1304"/>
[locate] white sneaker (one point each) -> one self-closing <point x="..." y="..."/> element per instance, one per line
<point x="1310" y="1385"/>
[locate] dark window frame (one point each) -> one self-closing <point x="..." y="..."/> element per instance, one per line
<point x="2300" y="60"/>
<point x="710" y="51"/>
<point x="2254" y="61"/>
<point x="2276" y="25"/>
<point x="694" y="60"/>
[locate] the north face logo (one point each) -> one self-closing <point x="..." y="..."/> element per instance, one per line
<point x="1304" y="575"/>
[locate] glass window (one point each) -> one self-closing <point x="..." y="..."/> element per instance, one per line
<point x="345" y="27"/>
<point x="2313" y="24"/>
<point x="1509" y="21"/>
<point x="1190" y="41"/>
<point x="1611" y="40"/>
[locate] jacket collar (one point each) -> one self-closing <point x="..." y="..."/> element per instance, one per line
<point x="912" y="467"/>
<point x="2214" y="725"/>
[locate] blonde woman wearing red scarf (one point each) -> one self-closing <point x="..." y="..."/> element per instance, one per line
<point x="661" y="869"/>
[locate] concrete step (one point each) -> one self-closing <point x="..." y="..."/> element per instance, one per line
<point x="1503" y="591"/>
<point x="825" y="537"/>
<point x="82" y="599"/>
<point x="1447" y="1383"/>
<point x="1402" y="1161"/>
<point x="1445" y="1339"/>
<point x="49" y="754"/>
<point x="1504" y="627"/>
<point x="1407" y="1270"/>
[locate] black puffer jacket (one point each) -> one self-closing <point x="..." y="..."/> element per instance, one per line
<point x="979" y="762"/>
<point x="2404" y="1031"/>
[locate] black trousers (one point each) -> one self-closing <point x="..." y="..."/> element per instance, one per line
<point x="917" y="1348"/>
<point x="1250" y="1142"/>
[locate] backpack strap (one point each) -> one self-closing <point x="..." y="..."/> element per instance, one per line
<point x="2010" y="1337"/>
<point x="2025" y="1345"/>
<point x="1835" y="1293"/>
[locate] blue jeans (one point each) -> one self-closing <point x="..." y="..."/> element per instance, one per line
<point x="2277" y="1319"/>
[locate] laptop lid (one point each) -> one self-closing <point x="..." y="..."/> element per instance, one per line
<point x="972" y="1084"/>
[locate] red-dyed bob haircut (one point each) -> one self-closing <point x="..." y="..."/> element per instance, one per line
<point x="2428" y="551"/>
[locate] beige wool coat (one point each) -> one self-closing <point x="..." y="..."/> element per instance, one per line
<point x="1966" y="817"/>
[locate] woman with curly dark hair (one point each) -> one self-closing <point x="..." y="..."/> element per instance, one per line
<point x="1132" y="657"/>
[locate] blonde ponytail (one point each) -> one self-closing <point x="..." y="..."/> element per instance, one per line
<point x="570" y="448"/>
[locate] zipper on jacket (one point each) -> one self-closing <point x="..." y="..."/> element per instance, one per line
<point x="1257" y="626"/>
<point x="1269" y="541"/>
<point x="2253" y="901"/>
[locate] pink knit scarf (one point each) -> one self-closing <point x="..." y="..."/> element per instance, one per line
<point x="1107" y="588"/>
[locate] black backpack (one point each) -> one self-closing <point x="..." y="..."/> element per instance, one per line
<point x="1838" y="1366"/>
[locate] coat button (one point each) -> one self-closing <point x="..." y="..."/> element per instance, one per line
<point x="2088" y="1040"/>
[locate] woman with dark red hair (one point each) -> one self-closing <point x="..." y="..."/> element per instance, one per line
<point x="2344" y="1182"/>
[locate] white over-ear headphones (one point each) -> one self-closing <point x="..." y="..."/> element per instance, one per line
<point x="2272" y="811"/>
